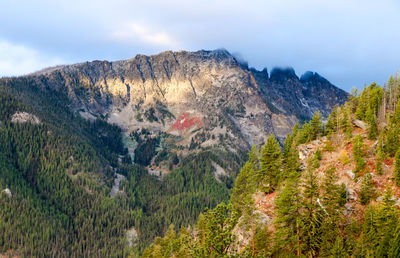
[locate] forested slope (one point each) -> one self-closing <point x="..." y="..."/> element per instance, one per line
<point x="332" y="191"/>
<point x="60" y="172"/>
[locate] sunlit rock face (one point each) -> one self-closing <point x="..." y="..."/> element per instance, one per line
<point x="232" y="105"/>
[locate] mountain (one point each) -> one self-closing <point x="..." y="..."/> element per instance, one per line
<point x="333" y="191"/>
<point x="207" y="98"/>
<point x="98" y="158"/>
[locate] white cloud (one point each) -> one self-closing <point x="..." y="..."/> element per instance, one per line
<point x="20" y="60"/>
<point x="134" y="33"/>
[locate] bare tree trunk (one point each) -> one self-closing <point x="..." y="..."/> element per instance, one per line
<point x="298" y="239"/>
<point x="252" y="232"/>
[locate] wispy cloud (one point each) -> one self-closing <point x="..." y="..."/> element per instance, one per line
<point x="136" y="33"/>
<point x="19" y="59"/>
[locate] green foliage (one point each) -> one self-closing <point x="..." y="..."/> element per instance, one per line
<point x="367" y="189"/>
<point x="379" y="229"/>
<point x="370" y="98"/>
<point x="270" y="160"/>
<point x="288" y="221"/>
<point x="218" y="229"/>
<point x="380" y="156"/>
<point x="358" y="154"/>
<point x="397" y="168"/>
<point x="373" y="128"/>
<point x="316" y="125"/>
<point x="311" y="234"/>
<point x="392" y="142"/>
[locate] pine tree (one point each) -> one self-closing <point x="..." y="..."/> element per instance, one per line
<point x="270" y="160"/>
<point x="313" y="214"/>
<point x="395" y="244"/>
<point x="392" y="139"/>
<point x="219" y="223"/>
<point x="367" y="189"/>
<point x="397" y="168"/>
<point x="345" y="121"/>
<point x="358" y="154"/>
<point x="316" y="125"/>
<point x="396" y="115"/>
<point x="288" y="221"/>
<point x="332" y="122"/>
<point x="246" y="181"/>
<point x="373" y="128"/>
<point x="242" y="193"/>
<point x="380" y="156"/>
<point x="386" y="223"/>
<point x="289" y="142"/>
<point x="331" y="203"/>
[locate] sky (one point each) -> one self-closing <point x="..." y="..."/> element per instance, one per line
<point x="349" y="42"/>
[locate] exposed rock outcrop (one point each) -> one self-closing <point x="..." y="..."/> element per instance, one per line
<point x="24" y="117"/>
<point x="217" y="101"/>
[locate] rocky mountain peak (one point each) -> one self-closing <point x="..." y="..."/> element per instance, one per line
<point x="312" y="76"/>
<point x="207" y="99"/>
<point x="282" y="74"/>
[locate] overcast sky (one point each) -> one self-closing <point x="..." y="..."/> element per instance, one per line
<point x="350" y="42"/>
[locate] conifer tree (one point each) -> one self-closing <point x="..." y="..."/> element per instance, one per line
<point x="358" y="154"/>
<point x="246" y="181"/>
<point x="396" y="115"/>
<point x="386" y="223"/>
<point x="392" y="139"/>
<point x="332" y="122"/>
<point x="397" y="168"/>
<point x="288" y="205"/>
<point x="242" y="193"/>
<point x="312" y="216"/>
<point x="219" y="223"/>
<point x="270" y="160"/>
<point x="288" y="221"/>
<point x="373" y="128"/>
<point x="346" y="122"/>
<point x="289" y="142"/>
<point x="395" y="244"/>
<point x="316" y="125"/>
<point x="380" y="156"/>
<point x="367" y="189"/>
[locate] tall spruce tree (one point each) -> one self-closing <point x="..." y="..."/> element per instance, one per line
<point x="367" y="191"/>
<point x="288" y="221"/>
<point x="397" y="168"/>
<point x="270" y="161"/>
<point x="313" y="213"/>
<point x="380" y="156"/>
<point x="373" y="128"/>
<point x="358" y="154"/>
<point x="392" y="139"/>
<point x="316" y="125"/>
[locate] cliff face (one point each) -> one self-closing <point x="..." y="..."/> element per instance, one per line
<point x="206" y="97"/>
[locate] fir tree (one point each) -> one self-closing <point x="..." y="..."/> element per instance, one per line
<point x="270" y="160"/>
<point x="367" y="189"/>
<point x="332" y="122"/>
<point x="331" y="203"/>
<point x="397" y="168"/>
<point x="392" y="139"/>
<point x="316" y="125"/>
<point x="386" y="223"/>
<point x="358" y="154"/>
<point x="380" y="156"/>
<point x="288" y="221"/>
<point x="373" y="128"/>
<point x="312" y="217"/>
<point x="219" y="223"/>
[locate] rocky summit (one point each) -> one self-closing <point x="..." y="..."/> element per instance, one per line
<point x="203" y="99"/>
